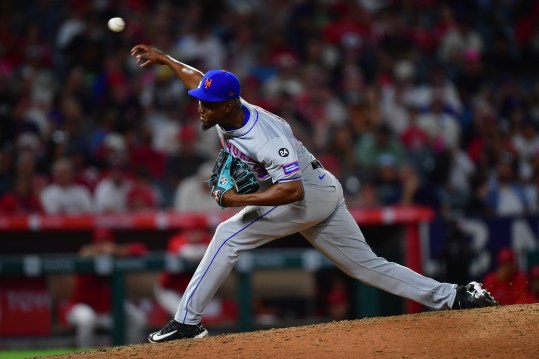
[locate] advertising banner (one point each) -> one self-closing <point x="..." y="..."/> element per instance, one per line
<point x="467" y="247"/>
<point x="25" y="307"/>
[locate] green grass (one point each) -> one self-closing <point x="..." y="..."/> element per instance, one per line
<point x="20" y="354"/>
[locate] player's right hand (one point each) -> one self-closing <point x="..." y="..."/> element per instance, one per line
<point x="147" y="55"/>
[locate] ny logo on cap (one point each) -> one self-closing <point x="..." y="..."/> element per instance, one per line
<point x="207" y="83"/>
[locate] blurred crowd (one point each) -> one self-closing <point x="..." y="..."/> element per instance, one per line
<point x="408" y="102"/>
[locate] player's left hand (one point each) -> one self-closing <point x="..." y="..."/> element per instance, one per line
<point x="221" y="179"/>
<point x="227" y="199"/>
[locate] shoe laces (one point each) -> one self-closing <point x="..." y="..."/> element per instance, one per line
<point x="169" y="327"/>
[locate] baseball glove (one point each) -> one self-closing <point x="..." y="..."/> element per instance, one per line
<point x="230" y="172"/>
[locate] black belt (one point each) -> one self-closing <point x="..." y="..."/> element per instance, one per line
<point x="316" y="164"/>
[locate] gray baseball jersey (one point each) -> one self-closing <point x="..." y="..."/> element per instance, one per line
<point x="267" y="144"/>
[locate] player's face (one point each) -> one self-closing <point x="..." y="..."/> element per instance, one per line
<point x="210" y="113"/>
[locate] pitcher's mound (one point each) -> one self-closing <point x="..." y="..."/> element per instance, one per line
<point x="500" y="332"/>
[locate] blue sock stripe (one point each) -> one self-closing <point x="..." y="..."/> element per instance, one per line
<point x="215" y="255"/>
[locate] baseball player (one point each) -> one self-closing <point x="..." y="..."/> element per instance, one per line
<point x="296" y="195"/>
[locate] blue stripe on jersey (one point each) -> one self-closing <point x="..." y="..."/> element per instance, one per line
<point x="289" y="179"/>
<point x="249" y="130"/>
<point x="215" y="255"/>
<point x="247" y="115"/>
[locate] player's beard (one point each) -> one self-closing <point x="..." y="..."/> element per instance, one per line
<point x="207" y="126"/>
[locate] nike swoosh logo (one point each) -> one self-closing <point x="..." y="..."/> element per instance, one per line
<point x="163" y="336"/>
<point x="322" y="177"/>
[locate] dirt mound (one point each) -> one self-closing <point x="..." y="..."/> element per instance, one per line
<point x="501" y="332"/>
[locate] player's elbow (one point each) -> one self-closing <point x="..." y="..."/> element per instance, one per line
<point x="287" y="192"/>
<point x="301" y="194"/>
<point x="297" y="193"/>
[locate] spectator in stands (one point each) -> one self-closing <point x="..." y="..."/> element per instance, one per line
<point x="367" y="196"/>
<point x="470" y="77"/>
<point x="526" y="35"/>
<point x="144" y="148"/>
<point x="526" y="140"/>
<point x="441" y="125"/>
<point x="370" y="148"/>
<point x="502" y="56"/>
<point x="87" y="174"/>
<point x="285" y="107"/>
<point x="190" y="245"/>
<point x="192" y="193"/>
<point x="483" y="137"/>
<point x="337" y="299"/>
<point x="389" y="187"/>
<point x="532" y="295"/>
<point x="506" y="196"/>
<point x="90" y="304"/>
<point x="506" y="283"/>
<point x="319" y="105"/>
<point x="393" y="103"/>
<point x="456" y="192"/>
<point x="111" y="192"/>
<point x="286" y="79"/>
<point x="142" y="196"/>
<point x="338" y="155"/>
<point x="531" y="183"/>
<point x="25" y="165"/>
<point x="64" y="196"/>
<point x="186" y="161"/>
<point x="477" y="203"/>
<point x="415" y="140"/>
<point x="458" y="40"/>
<point x="202" y="47"/>
<point x="244" y="44"/>
<point x="398" y="94"/>
<point x="6" y="177"/>
<point x="363" y="113"/>
<point x="414" y="190"/>
<point x="22" y="199"/>
<point x="110" y="146"/>
<point x="400" y="185"/>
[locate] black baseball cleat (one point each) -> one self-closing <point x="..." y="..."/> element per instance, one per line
<point x="472" y="295"/>
<point x="174" y="330"/>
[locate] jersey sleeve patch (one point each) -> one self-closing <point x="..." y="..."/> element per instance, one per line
<point x="290" y="168"/>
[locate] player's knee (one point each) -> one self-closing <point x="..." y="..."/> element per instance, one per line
<point x="229" y="250"/>
<point x="232" y="253"/>
<point x="223" y="231"/>
<point x="225" y="238"/>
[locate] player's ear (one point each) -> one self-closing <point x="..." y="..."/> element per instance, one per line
<point x="229" y="106"/>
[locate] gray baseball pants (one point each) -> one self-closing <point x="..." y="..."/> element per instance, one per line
<point x="323" y="219"/>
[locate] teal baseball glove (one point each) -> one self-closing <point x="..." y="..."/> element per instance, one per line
<point x="230" y="172"/>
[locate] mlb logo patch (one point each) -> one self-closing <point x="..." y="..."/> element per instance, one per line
<point x="223" y="180"/>
<point x="291" y="168"/>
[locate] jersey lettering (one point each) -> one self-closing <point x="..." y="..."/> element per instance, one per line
<point x="257" y="168"/>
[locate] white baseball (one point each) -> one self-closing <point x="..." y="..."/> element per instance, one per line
<point x="116" y="24"/>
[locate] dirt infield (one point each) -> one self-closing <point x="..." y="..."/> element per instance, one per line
<point x="501" y="332"/>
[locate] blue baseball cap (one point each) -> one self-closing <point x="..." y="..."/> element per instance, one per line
<point x="217" y="86"/>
